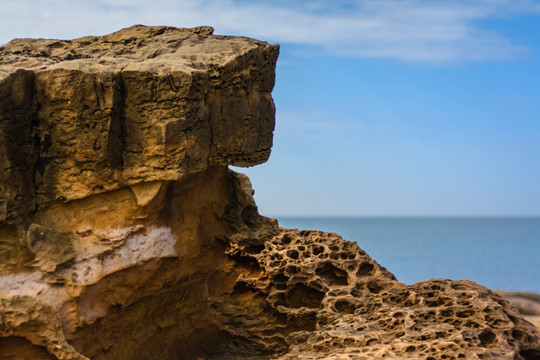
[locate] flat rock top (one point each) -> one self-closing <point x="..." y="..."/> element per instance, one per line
<point x="156" y="48"/>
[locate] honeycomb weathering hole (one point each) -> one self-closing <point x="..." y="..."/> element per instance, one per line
<point x="345" y="307"/>
<point x="331" y="274"/>
<point x="487" y="338"/>
<point x="365" y="269"/>
<point x="302" y="295"/>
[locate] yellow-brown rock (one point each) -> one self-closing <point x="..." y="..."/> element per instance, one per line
<point x="123" y="234"/>
<point x="94" y="114"/>
<point x="317" y="296"/>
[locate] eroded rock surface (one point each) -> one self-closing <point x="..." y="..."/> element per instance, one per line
<point x="94" y="114"/>
<point x="329" y="300"/>
<point x="123" y="275"/>
<point x="123" y="234"/>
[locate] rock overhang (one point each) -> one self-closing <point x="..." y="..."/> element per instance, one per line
<point x="85" y="116"/>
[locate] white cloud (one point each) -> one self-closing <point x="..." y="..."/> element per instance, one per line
<point x="410" y="30"/>
<point x="316" y="122"/>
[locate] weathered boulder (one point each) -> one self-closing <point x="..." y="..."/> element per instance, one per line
<point x="94" y="114"/>
<point x="123" y="234"/>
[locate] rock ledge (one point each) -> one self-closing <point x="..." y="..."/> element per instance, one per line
<point x="94" y="114"/>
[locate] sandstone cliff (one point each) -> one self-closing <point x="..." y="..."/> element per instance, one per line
<point x="123" y="234"/>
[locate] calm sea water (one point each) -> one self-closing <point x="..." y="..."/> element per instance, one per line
<point x="500" y="253"/>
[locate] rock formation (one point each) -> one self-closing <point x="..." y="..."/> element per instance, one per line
<point x="123" y="234"/>
<point x="528" y="304"/>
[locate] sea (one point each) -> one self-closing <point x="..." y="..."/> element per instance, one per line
<point x="499" y="253"/>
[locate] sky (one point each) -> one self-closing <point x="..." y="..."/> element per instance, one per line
<point x="384" y="107"/>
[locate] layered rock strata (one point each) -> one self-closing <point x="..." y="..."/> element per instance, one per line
<point x="123" y="234"/>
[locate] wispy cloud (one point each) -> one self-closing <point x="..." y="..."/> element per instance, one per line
<point x="410" y="30"/>
<point x="318" y="123"/>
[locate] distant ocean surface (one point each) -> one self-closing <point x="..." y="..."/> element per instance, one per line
<point x="500" y="253"/>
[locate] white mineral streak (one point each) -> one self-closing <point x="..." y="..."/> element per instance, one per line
<point x="155" y="243"/>
<point x="22" y="284"/>
<point x="137" y="249"/>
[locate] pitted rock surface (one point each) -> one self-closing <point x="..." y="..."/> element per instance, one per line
<point x="328" y="299"/>
<point x="94" y="114"/>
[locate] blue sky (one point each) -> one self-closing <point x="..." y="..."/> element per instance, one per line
<point x="384" y="107"/>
